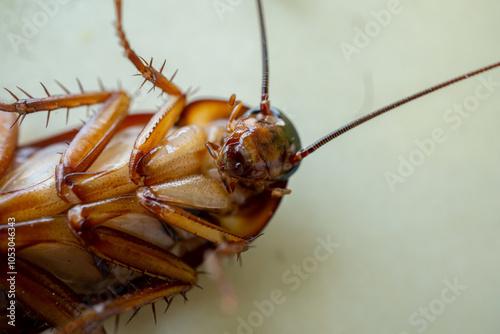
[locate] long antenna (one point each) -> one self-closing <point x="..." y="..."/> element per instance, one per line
<point x="264" y="104"/>
<point x="311" y="148"/>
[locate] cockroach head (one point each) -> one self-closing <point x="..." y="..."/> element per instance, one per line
<point x="257" y="149"/>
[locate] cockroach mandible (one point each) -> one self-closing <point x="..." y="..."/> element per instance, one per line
<point x="319" y="162"/>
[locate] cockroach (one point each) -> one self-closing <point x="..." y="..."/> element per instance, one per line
<point x="306" y="219"/>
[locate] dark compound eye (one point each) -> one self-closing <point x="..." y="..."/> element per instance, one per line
<point x="234" y="162"/>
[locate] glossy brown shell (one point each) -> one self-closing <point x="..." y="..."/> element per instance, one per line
<point x="245" y="221"/>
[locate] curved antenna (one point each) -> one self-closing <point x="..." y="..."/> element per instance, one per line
<point x="264" y="104"/>
<point x="297" y="157"/>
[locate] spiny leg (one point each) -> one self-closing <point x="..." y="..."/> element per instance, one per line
<point x="153" y="133"/>
<point x="178" y="155"/>
<point x="168" y="115"/>
<point x="99" y="185"/>
<point x="147" y="71"/>
<point x="198" y="192"/>
<point x="30" y="105"/>
<point x="51" y="298"/>
<point x="127" y="302"/>
<point x="96" y="186"/>
<point x="90" y="141"/>
<point x="182" y="219"/>
<point x="86" y="221"/>
<point x="39" y="200"/>
<point x="41" y="291"/>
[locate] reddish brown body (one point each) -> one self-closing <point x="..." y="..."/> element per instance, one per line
<point x="102" y="205"/>
<point x="336" y="214"/>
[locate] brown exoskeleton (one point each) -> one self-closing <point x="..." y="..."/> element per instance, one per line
<point x="181" y="71"/>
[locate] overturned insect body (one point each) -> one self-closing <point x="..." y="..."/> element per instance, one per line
<point x="135" y="201"/>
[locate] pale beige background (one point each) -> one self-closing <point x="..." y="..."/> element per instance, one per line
<point x="396" y="248"/>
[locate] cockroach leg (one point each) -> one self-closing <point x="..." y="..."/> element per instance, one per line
<point x="9" y="122"/>
<point x="122" y="248"/>
<point x="90" y="215"/>
<point x="8" y="139"/>
<point x="184" y="220"/>
<point x="134" y="253"/>
<point x="49" y="244"/>
<point x="90" y="141"/>
<point x="197" y="192"/>
<point x="153" y="133"/>
<point x="96" y="186"/>
<point x="180" y="154"/>
<point x="40" y="290"/>
<point x="24" y="107"/>
<point x="147" y="70"/>
<point x="127" y="302"/>
<point x="165" y="118"/>
<point x="39" y="200"/>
